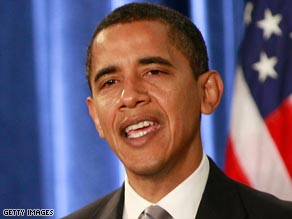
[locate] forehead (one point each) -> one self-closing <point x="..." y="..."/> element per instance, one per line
<point x="139" y="37"/>
<point x="132" y="31"/>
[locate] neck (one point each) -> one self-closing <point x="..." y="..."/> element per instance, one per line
<point x="153" y="187"/>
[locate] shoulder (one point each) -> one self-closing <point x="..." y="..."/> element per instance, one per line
<point x="234" y="196"/>
<point x="257" y="202"/>
<point x="107" y="205"/>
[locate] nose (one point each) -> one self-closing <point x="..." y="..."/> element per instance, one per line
<point x="133" y="94"/>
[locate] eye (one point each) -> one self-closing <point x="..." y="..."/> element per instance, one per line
<point x="154" y="72"/>
<point x="109" y="82"/>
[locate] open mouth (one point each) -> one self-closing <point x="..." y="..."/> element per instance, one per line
<point x="140" y="129"/>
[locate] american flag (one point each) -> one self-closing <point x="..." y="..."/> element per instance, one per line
<point x="259" y="151"/>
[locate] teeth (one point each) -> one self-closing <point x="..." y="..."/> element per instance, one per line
<point x="133" y="132"/>
<point x="137" y="135"/>
<point x="139" y="125"/>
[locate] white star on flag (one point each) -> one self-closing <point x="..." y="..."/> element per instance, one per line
<point x="247" y="13"/>
<point x="270" y="24"/>
<point x="265" y="67"/>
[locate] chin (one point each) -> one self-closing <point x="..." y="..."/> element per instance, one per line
<point x="146" y="168"/>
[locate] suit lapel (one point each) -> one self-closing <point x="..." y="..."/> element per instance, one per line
<point x="220" y="199"/>
<point x="114" y="207"/>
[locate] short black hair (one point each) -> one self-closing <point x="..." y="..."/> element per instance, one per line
<point x="183" y="33"/>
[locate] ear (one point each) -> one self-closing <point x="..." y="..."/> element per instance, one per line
<point x="211" y="86"/>
<point x="94" y="116"/>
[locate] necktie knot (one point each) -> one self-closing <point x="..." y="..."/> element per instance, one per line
<point x="155" y="212"/>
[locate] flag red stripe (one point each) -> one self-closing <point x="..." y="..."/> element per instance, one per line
<point x="232" y="166"/>
<point x="279" y="124"/>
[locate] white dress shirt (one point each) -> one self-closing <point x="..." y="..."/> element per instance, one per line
<point x="182" y="202"/>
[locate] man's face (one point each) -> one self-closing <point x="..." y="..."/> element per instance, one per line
<point x="145" y="99"/>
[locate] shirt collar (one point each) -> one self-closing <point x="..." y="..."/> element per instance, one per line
<point x="182" y="202"/>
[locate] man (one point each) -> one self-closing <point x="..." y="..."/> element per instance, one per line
<point x="147" y="69"/>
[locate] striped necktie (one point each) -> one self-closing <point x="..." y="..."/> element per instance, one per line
<point x="155" y="212"/>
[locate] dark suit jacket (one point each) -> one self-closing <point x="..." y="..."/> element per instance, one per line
<point x="223" y="198"/>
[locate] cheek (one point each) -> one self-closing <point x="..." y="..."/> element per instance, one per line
<point x="181" y="102"/>
<point x="183" y="108"/>
<point x="107" y="127"/>
<point x="105" y="109"/>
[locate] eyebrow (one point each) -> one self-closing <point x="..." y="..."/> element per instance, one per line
<point x="142" y="61"/>
<point x="154" y="60"/>
<point x="104" y="71"/>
